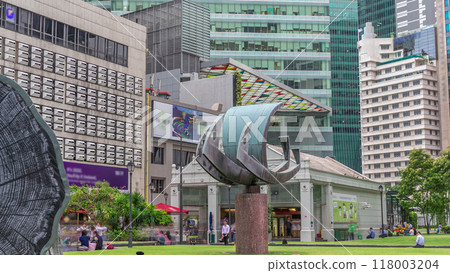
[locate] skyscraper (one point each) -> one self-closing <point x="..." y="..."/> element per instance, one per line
<point x="381" y="13"/>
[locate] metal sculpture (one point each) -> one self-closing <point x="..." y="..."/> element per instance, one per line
<point x="233" y="148"/>
<point x="34" y="191"/>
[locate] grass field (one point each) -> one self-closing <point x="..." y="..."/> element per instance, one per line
<point x="291" y="250"/>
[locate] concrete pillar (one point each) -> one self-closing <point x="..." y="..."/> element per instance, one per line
<point x="252" y="223"/>
<point x="327" y="214"/>
<point x="213" y="201"/>
<point x="307" y="211"/>
<point x="174" y="202"/>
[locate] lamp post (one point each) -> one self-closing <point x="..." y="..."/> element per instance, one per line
<point x="426" y="215"/>
<point x="151" y="210"/>
<point x="180" y="189"/>
<point x="380" y="188"/>
<point x="130" y="167"/>
<point x="165" y="197"/>
<point x="229" y="211"/>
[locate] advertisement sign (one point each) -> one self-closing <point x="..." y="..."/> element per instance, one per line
<point x="87" y="174"/>
<point x="172" y="121"/>
<point x="345" y="208"/>
<point x="10" y="13"/>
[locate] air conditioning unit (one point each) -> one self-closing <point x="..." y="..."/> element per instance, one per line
<point x="35" y="64"/>
<point x="101" y="82"/>
<point x="101" y="76"/>
<point x="101" y="95"/>
<point x="23" y="54"/>
<point x="47" y="96"/>
<point x="111" y="85"/>
<point x="60" y="141"/>
<point x="101" y="160"/>
<point x="91" y="73"/>
<point x="110" y="136"/>
<point x="59" y="92"/>
<point x="138" y="80"/>
<point x="82" y="77"/>
<point x="90" y="152"/>
<point x="23" y="47"/>
<point x="137" y="152"/>
<point x="35" y="86"/>
<point x="70" y="129"/>
<point x="81" y="116"/>
<point x="23" y="75"/>
<point x="110" y="154"/>
<point x="101" y="121"/>
<point x="102" y="70"/>
<point x="36" y="50"/>
<point x="70" y="101"/>
<point x="90" y="158"/>
<point x="120" y="131"/>
<point x="91" y="119"/>
<point x="81" y="131"/>
<point x="92" y="92"/>
<point x="111" y="122"/>
<point x="22" y="61"/>
<point x="91" y="125"/>
<point x="138" y="92"/>
<point x="120" y="162"/>
<point x="9" y="72"/>
<point x="48" y="54"/>
<point x="92" y="79"/>
<point x="112" y="73"/>
<point x="121" y="82"/>
<point x="82" y="70"/>
<point x="138" y="164"/>
<point x="48" y="68"/>
<point x="101" y="127"/>
<point x="111" y="110"/>
<point x="59" y="84"/>
<point x="81" y="96"/>
<point x="92" y="99"/>
<point x="110" y="129"/>
<point x="101" y="134"/>
<point x="120" y="112"/>
<point x="137" y="140"/>
<point x="69" y="149"/>
<point x="57" y="127"/>
<point x="120" y="76"/>
<point x="101" y="147"/>
<point x="120" y="156"/>
<point x="101" y="101"/>
<point x="59" y="71"/>
<point x="48" y="61"/>
<point x="129" y="139"/>
<point x="58" y="112"/>
<point x="130" y="84"/>
<point x="61" y="65"/>
<point x="130" y="78"/>
<point x="129" y="107"/>
<point x="70" y="94"/>
<point x="101" y="153"/>
<point x="80" y="157"/>
<point x="70" y="74"/>
<point x="47" y="118"/>
<point x="47" y="88"/>
<point x="129" y="158"/>
<point x="110" y="161"/>
<point x="58" y="120"/>
<point x="72" y="68"/>
<point x="121" y="87"/>
<point x="35" y="78"/>
<point x="69" y="156"/>
<point x="70" y="114"/>
<point x="24" y="84"/>
<point x="92" y="67"/>
<point x="129" y="151"/>
<point x="71" y="61"/>
<point x="69" y="142"/>
<point x="60" y="58"/>
<point x="82" y="64"/>
<point x="111" y="103"/>
<point x="58" y="98"/>
<point x="71" y="87"/>
<point x="137" y="158"/>
<point x="112" y="79"/>
<point x="47" y="81"/>
<point x="81" y="103"/>
<point x="81" y="123"/>
<point x="91" y="105"/>
<point x="90" y="132"/>
<point x="10" y="50"/>
<point x="10" y="57"/>
<point x="129" y="90"/>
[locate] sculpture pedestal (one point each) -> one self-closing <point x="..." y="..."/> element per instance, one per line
<point x="252" y="223"/>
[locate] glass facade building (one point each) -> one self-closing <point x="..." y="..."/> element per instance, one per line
<point x="345" y="83"/>
<point x="381" y="13"/>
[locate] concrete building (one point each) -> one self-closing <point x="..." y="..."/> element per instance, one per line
<point x="85" y="76"/>
<point x="414" y="15"/>
<point x="321" y="201"/>
<point x="400" y="105"/>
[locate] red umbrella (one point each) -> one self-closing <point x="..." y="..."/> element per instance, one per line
<point x="170" y="209"/>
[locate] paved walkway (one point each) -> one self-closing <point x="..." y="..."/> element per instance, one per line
<point x="339" y="245"/>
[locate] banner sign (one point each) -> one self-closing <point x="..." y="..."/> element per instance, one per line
<point x="87" y="174"/>
<point x="345" y="208"/>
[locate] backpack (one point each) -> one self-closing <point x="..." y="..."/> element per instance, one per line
<point x="109" y="246"/>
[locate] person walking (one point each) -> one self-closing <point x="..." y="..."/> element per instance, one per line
<point x="420" y="241"/>
<point x="289" y="227"/>
<point x="225" y="232"/>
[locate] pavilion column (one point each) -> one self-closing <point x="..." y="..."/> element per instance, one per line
<point x="327" y="214"/>
<point x="213" y="207"/>
<point x="307" y="211"/>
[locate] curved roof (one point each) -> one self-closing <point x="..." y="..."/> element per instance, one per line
<point x="258" y="88"/>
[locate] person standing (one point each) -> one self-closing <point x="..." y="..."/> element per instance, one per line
<point x="225" y="232"/>
<point x="439" y="229"/>
<point x="289" y="227"/>
<point x="101" y="230"/>
<point x="351" y="230"/>
<point x="420" y="241"/>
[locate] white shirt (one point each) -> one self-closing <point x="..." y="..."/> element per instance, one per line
<point x="420" y="240"/>
<point x="225" y="229"/>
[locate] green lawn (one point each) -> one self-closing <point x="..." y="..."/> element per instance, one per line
<point x="432" y="239"/>
<point x="302" y="250"/>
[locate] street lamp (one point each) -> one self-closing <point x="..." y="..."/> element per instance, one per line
<point x="426" y="215"/>
<point x="229" y="210"/>
<point x="130" y="167"/>
<point x="165" y="197"/>
<point x="380" y="188"/>
<point x="181" y="190"/>
<point x="151" y="210"/>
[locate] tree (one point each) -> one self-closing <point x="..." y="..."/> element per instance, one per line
<point x="425" y="184"/>
<point x="92" y="199"/>
<point x="415" y="185"/>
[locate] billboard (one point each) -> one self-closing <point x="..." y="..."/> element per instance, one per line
<point x="345" y="208"/>
<point x="87" y="174"/>
<point x="173" y="121"/>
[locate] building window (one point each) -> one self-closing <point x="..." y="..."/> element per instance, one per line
<point x="405" y="94"/>
<point x="375" y="119"/>
<point x="417" y="122"/>
<point x="418" y="132"/>
<point x="374" y="100"/>
<point x="185" y="159"/>
<point x="375" y="128"/>
<point x="386" y="56"/>
<point x="396" y="144"/>
<point x="385" y="107"/>
<point x="395" y="106"/>
<point x="385" y="47"/>
<point x="395" y="96"/>
<point x="406" y="114"/>
<point x="375" y="138"/>
<point x="385" y="98"/>
<point x="418" y="142"/>
<point x="406" y="123"/>
<point x="416" y="92"/>
<point x="385" y="117"/>
<point x="416" y="102"/>
<point x="417" y="112"/>
<point x="407" y="143"/>
<point x="376" y="166"/>
<point x="447" y="26"/>
<point x="377" y="175"/>
<point x="407" y="133"/>
<point x="387" y="175"/>
<point x="376" y="147"/>
<point x="408" y="66"/>
<point x="397" y="154"/>
<point x="398" y="68"/>
<point x="397" y="164"/>
<point x="386" y="126"/>
<point x="384" y="89"/>
<point x="396" y="135"/>
<point x="386" y="136"/>
<point x="376" y="156"/>
<point x="406" y="104"/>
<point x="388" y="70"/>
<point x="157" y="155"/>
<point x="157" y="185"/>
<point x="386" y="146"/>
<point x="405" y="84"/>
<point x="375" y="90"/>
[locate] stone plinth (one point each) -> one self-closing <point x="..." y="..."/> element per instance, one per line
<point x="252" y="222"/>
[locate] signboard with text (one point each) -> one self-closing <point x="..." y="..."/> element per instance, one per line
<point x="87" y="174"/>
<point x="345" y="208"/>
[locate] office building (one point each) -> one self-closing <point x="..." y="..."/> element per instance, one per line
<point x="414" y="15"/>
<point x="85" y="76"/>
<point x="382" y="15"/>
<point x="346" y="120"/>
<point x="400" y="103"/>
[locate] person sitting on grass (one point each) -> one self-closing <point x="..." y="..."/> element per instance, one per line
<point x="161" y="239"/>
<point x="439" y="229"/>
<point x="98" y="240"/>
<point x="420" y="241"/>
<point x="371" y="234"/>
<point x="84" y="241"/>
<point x="383" y="233"/>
